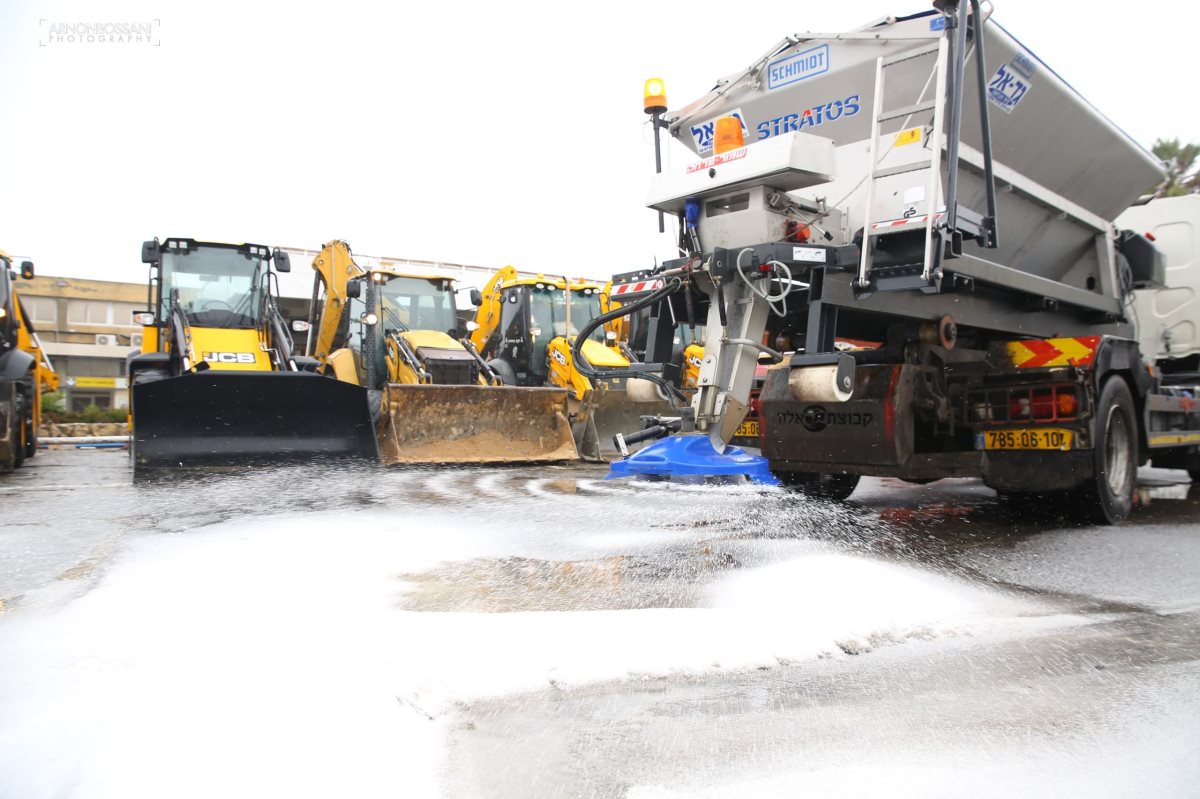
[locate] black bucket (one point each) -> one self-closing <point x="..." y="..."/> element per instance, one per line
<point x="231" y="418"/>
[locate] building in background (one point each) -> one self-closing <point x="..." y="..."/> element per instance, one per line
<point x="87" y="329"/>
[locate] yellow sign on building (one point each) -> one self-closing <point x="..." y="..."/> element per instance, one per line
<point x="95" y="382"/>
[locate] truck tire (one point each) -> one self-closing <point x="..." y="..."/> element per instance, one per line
<point x="1107" y="497"/>
<point x="837" y="487"/>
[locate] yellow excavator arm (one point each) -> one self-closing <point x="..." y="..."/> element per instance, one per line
<point x="487" y="316"/>
<point x="27" y="340"/>
<point x="335" y="266"/>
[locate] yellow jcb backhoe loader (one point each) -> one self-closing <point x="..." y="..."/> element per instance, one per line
<point x="397" y="335"/>
<point x="525" y="327"/>
<point x="217" y="380"/>
<point x="25" y="372"/>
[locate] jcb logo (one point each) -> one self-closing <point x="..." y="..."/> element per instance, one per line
<point x="694" y="361"/>
<point x="229" y="357"/>
<point x="558" y="356"/>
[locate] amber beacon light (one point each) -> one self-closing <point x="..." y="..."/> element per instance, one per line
<point x="728" y="135"/>
<point x="654" y="96"/>
<point x="654" y="103"/>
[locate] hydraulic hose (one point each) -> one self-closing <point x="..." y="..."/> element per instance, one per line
<point x="674" y="395"/>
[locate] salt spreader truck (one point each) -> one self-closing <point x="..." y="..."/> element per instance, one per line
<point x="913" y="221"/>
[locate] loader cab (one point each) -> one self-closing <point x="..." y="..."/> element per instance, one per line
<point x="418" y="303"/>
<point x="394" y="304"/>
<point x="213" y="285"/>
<point x="534" y="314"/>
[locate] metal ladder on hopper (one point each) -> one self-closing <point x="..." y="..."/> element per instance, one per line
<point x="944" y="219"/>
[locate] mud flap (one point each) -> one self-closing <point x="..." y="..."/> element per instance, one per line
<point x="429" y="424"/>
<point x="229" y="418"/>
<point x="603" y="414"/>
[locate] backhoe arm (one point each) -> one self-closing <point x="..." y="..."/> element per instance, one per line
<point x="334" y="267"/>
<point x="488" y="314"/>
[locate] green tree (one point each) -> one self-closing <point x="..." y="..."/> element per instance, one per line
<point x="1183" y="173"/>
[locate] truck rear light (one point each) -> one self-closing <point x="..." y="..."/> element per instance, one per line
<point x="1068" y="403"/>
<point x="1003" y="405"/>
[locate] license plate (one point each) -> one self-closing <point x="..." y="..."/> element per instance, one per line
<point x="1034" y="438"/>
<point x="747" y="429"/>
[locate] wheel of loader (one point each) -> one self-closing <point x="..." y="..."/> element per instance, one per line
<point x="375" y="407"/>
<point x="17" y="429"/>
<point x="824" y="486"/>
<point x="28" y="426"/>
<point x="505" y="370"/>
<point x="30" y="436"/>
<point x="1107" y="497"/>
<point x="9" y="464"/>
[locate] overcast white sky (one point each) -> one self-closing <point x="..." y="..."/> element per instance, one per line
<point x="484" y="133"/>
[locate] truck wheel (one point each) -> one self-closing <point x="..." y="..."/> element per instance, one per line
<point x="825" y="486"/>
<point x="1107" y="498"/>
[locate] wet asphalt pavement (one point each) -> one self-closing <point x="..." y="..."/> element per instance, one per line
<point x="916" y="641"/>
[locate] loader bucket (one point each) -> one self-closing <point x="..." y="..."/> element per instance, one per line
<point x="230" y="418"/>
<point x="607" y="413"/>
<point x="428" y="424"/>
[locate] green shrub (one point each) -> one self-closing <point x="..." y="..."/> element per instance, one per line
<point x="53" y="403"/>
<point x="91" y="414"/>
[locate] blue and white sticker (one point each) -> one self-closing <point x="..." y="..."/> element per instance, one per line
<point x="798" y="66"/>
<point x="1023" y="65"/>
<point x="703" y="133"/>
<point x="1007" y="88"/>
<point x="938" y="23"/>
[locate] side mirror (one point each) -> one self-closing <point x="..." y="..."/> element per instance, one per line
<point x="151" y="252"/>
<point x="27" y="270"/>
<point x="300" y="325"/>
<point x="476" y="297"/>
<point x="283" y="262"/>
<point x="354" y="288"/>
